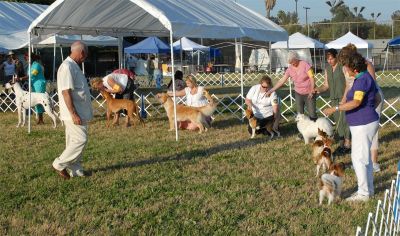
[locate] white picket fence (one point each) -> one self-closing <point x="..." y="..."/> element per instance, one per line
<point x="386" y="219"/>
<point x="232" y="105"/>
<point x="233" y="79"/>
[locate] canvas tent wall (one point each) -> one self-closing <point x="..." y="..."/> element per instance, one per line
<point x="196" y="19"/>
<point x="362" y="45"/>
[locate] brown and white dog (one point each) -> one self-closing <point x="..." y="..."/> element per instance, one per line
<point x="196" y="115"/>
<point x="331" y="183"/>
<point x="254" y="126"/>
<point x="318" y="145"/>
<point x="325" y="159"/>
<point x="116" y="105"/>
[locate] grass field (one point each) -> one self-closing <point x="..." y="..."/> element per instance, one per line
<point x="144" y="182"/>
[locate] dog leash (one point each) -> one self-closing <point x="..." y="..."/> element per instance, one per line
<point x="338" y="122"/>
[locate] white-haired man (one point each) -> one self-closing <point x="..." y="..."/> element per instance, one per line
<point x="75" y="111"/>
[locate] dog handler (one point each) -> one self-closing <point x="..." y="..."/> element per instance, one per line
<point x="302" y="75"/>
<point x="335" y="82"/>
<point x="265" y="108"/>
<point x="38" y="82"/>
<point x="75" y="111"/>
<point x="363" y="121"/>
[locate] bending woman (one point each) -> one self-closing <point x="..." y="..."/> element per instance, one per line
<point x="194" y="98"/>
<point x="303" y="78"/>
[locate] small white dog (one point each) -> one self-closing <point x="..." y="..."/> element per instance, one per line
<point x="309" y="128"/>
<point x="22" y="102"/>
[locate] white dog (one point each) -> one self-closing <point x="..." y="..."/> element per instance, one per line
<point x="309" y="128"/>
<point x="22" y="102"/>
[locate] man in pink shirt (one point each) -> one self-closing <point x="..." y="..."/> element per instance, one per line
<point x="303" y="78"/>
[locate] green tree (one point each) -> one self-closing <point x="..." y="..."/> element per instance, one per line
<point x="289" y="21"/>
<point x="269" y="5"/>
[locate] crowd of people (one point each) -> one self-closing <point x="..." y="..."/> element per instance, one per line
<point x="350" y="79"/>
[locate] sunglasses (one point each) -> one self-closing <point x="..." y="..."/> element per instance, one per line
<point x="265" y="87"/>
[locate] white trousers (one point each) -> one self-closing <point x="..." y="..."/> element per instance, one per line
<point x="361" y="139"/>
<point x="378" y="110"/>
<point x="76" y="138"/>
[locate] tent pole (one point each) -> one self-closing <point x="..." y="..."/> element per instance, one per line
<point x="290" y="80"/>
<point x="241" y="76"/>
<point x="173" y="82"/>
<point x="83" y="63"/>
<point x="29" y="82"/>
<point x="315" y="62"/>
<point x="119" y="52"/>
<point x="62" y="55"/>
<point x="386" y="58"/>
<point x="270" y="58"/>
<point x="54" y="59"/>
<point x="181" y="53"/>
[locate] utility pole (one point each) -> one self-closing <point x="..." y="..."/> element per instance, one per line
<point x="308" y="27"/>
<point x="296" y="7"/>
<point x="374" y="19"/>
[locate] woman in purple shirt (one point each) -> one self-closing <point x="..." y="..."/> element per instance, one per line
<point x="363" y="121"/>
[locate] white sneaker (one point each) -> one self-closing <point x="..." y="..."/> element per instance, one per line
<point x="79" y="173"/>
<point x="376" y="167"/>
<point x="357" y="198"/>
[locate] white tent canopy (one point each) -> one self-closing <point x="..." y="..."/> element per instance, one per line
<point x="360" y="43"/>
<point x="89" y="40"/>
<point x="196" y="19"/>
<point x="349" y="38"/>
<point x="15" y="19"/>
<point x="298" y="41"/>
<point x="189" y="45"/>
<point x="220" y="19"/>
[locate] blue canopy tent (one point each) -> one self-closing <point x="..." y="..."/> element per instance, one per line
<point x="149" y="45"/>
<point x="392" y="43"/>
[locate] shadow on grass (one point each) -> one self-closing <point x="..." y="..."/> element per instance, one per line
<point x="383" y="182"/>
<point x="390" y="136"/>
<point x="222" y="124"/>
<point x="188" y="155"/>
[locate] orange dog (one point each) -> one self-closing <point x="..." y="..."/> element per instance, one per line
<point x="115" y="105"/>
<point x="195" y="115"/>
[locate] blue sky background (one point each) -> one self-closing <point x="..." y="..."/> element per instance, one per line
<point x="320" y="10"/>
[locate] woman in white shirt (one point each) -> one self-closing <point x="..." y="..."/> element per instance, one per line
<point x="194" y="98"/>
<point x="265" y="108"/>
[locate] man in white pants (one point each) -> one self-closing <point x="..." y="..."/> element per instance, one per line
<point x="75" y="111"/>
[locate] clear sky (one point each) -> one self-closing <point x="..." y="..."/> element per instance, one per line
<point x="320" y="10"/>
